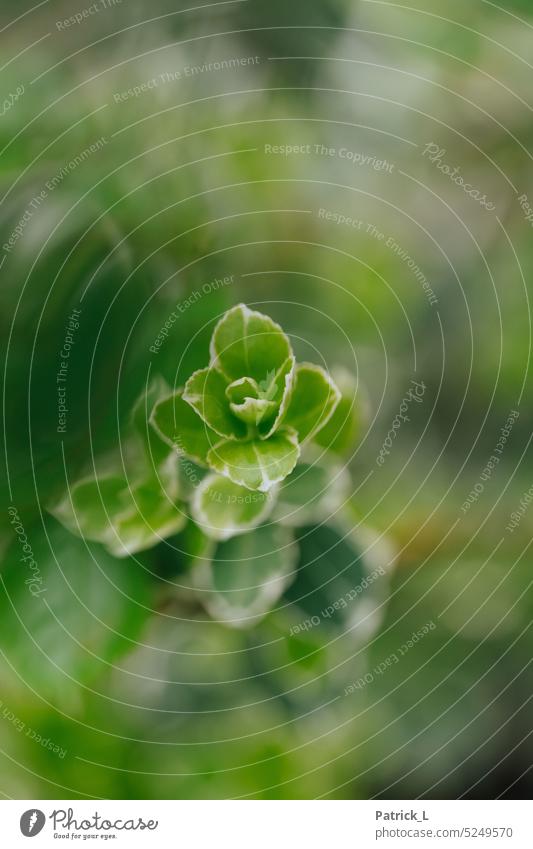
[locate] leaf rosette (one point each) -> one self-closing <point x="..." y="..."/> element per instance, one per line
<point x="245" y="467"/>
<point x="248" y="413"/>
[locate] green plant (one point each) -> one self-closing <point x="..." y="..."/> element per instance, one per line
<point x="233" y="465"/>
<point x="248" y="413"/>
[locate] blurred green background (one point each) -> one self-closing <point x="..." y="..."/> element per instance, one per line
<point x="122" y="671"/>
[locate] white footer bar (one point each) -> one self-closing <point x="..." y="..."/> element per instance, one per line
<point x="266" y="824"/>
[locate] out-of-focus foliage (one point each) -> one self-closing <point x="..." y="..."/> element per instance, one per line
<point x="181" y="211"/>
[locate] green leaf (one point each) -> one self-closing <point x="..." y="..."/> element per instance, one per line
<point x="246" y="343"/>
<point x="130" y="502"/>
<point x="70" y="614"/>
<point x="149" y="517"/>
<point x="257" y="464"/>
<point x="181" y="427"/>
<point x="254" y="410"/>
<point x="341" y="431"/>
<point x="190" y="475"/>
<point x="224" y="509"/>
<point x="314" y="399"/>
<point x="205" y="391"/>
<point x="342" y="576"/>
<point x="263" y="405"/>
<point x="156" y="389"/>
<point x="239" y="390"/>
<point x="86" y="509"/>
<point x="156" y="450"/>
<point x="193" y="545"/>
<point x="280" y="389"/>
<point x="247" y="401"/>
<point x="248" y="574"/>
<point x="313" y="492"/>
<point x="124" y="520"/>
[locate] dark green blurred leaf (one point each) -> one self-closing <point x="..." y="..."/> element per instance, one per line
<point x="81" y="610"/>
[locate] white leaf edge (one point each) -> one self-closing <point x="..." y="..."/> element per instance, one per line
<point x="223" y="534"/>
